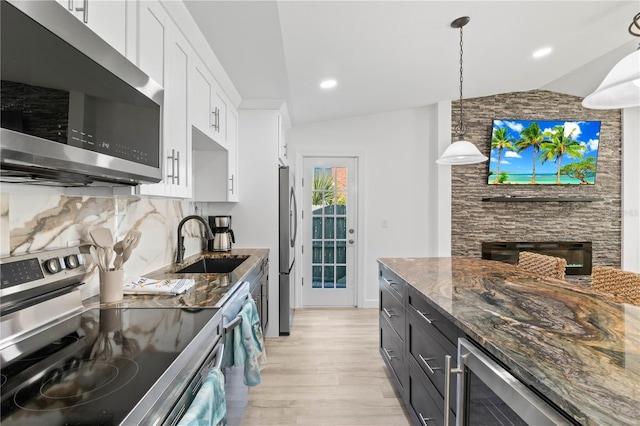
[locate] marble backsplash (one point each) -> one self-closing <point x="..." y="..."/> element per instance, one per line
<point x="35" y="222"/>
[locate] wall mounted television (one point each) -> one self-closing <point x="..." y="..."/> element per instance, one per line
<point x="543" y="152"/>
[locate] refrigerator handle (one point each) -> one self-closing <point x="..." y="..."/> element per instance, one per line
<point x="295" y="219"/>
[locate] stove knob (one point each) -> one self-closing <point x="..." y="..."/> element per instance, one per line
<point x="73" y="261"/>
<point x="54" y="265"/>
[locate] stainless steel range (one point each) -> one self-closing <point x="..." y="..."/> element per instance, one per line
<point x="64" y="364"/>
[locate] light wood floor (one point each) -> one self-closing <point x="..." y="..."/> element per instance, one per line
<point x="327" y="372"/>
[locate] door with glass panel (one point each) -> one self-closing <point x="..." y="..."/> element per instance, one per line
<point x="329" y="232"/>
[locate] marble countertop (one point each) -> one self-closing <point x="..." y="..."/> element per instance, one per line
<point x="210" y="290"/>
<point x="577" y="348"/>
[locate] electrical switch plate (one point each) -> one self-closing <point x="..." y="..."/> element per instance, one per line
<point x="385" y="224"/>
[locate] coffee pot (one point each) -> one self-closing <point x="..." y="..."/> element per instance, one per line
<point x="222" y="234"/>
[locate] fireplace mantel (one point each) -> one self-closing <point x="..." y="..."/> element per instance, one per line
<point x="517" y="199"/>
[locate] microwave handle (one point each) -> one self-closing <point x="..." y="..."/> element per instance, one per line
<point x="448" y="371"/>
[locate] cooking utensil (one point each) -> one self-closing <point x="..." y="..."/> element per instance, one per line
<point x="103" y="237"/>
<point x="96" y="257"/>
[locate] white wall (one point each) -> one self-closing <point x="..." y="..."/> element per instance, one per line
<point x="398" y="182"/>
<point x="255" y="216"/>
<point x="631" y="189"/>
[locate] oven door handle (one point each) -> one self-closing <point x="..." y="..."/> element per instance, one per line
<point x="448" y="371"/>
<point x="233" y="324"/>
<point x="219" y="351"/>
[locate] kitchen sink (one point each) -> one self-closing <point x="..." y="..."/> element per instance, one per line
<point x="213" y="265"/>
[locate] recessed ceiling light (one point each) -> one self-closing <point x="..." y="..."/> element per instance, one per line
<point x="541" y="52"/>
<point x="328" y="84"/>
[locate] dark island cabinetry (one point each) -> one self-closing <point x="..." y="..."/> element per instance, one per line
<point x="414" y="340"/>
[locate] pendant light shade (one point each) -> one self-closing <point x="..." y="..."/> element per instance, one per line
<point x="621" y="87"/>
<point x="462" y="151"/>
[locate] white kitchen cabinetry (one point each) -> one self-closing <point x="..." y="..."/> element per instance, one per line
<point x="282" y="142"/>
<point x="209" y="105"/>
<point x="216" y="167"/>
<point x="106" y="18"/>
<point x="164" y="54"/>
<point x="215" y="138"/>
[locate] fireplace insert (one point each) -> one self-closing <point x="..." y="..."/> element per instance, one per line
<point x="578" y="254"/>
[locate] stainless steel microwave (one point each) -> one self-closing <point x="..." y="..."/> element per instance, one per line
<point x="75" y="112"/>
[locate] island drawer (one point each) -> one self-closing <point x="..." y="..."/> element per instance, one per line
<point x="429" y="316"/>
<point x="392" y="281"/>
<point x="425" y="404"/>
<point x="392" y="309"/>
<point x="392" y="351"/>
<point x="427" y="350"/>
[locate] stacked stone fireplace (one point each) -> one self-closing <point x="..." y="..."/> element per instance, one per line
<point x="548" y="214"/>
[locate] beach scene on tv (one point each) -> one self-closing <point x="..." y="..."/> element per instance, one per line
<point x="525" y="152"/>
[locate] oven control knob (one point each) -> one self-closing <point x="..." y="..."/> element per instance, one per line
<point x="54" y="265"/>
<point x="73" y="261"/>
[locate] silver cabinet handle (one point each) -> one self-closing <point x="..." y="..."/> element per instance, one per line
<point x="391" y="283"/>
<point x="172" y="158"/>
<point x="70" y="5"/>
<point x="432" y="370"/>
<point x="424" y="420"/>
<point x="388" y="354"/>
<point x="389" y="313"/>
<point x="232" y="189"/>
<point x="216" y="119"/>
<point x="423" y="315"/>
<point x="177" y="168"/>
<point x="448" y="371"/>
<point x="85" y="11"/>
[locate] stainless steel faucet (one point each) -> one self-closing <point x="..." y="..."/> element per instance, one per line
<point x="209" y="234"/>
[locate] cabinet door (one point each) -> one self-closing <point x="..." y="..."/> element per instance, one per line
<point x="232" y="144"/>
<point x="282" y="142"/>
<point x="200" y="103"/>
<point x="152" y="33"/>
<point x="107" y="18"/>
<point x="177" y="136"/>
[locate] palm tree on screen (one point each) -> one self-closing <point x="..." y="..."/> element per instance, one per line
<point x="502" y="141"/>
<point x="559" y="145"/>
<point x="531" y="136"/>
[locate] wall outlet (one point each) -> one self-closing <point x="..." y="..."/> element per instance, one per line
<point x="385" y="223"/>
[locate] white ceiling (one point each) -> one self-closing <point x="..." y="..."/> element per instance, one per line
<point x="390" y="55"/>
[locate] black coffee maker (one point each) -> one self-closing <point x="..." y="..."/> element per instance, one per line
<point x="223" y="236"/>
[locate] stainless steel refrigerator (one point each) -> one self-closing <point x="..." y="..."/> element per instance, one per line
<point x="288" y="229"/>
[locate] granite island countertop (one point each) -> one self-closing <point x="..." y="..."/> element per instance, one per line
<point x="577" y="348"/>
<point x="210" y="290"/>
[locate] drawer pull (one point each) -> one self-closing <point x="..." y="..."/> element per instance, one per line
<point x="424" y="420"/>
<point x="389" y="313"/>
<point x="423" y="315"/>
<point x="388" y="354"/>
<point x="391" y="283"/>
<point x="432" y="370"/>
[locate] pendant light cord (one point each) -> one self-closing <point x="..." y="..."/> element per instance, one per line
<point x="461" y="129"/>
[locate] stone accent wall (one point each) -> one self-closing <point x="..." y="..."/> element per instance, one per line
<point x="474" y="221"/>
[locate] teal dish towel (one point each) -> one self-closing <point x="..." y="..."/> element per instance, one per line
<point x="249" y="344"/>
<point x="209" y="407"/>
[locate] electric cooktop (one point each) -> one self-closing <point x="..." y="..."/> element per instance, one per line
<point x="99" y="366"/>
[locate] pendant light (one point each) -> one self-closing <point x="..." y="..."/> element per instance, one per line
<point x="621" y="87"/>
<point x="461" y="152"/>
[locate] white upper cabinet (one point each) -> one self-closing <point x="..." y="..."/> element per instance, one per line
<point x="282" y="142"/>
<point x="209" y="105"/>
<point x="164" y="54"/>
<point x="106" y="18"/>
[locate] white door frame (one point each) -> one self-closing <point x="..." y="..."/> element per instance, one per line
<point x="361" y="245"/>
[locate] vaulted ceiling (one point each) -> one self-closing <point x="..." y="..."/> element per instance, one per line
<point x="390" y="55"/>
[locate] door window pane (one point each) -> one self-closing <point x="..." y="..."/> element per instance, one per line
<point x="341" y="277"/>
<point x="329" y="252"/>
<point x="329" y="277"/>
<point x="317" y="277"/>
